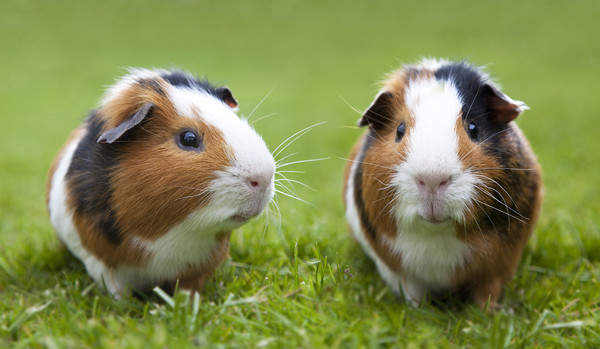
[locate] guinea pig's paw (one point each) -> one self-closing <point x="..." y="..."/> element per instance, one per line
<point x="486" y="295"/>
<point x="193" y="283"/>
<point x="413" y="291"/>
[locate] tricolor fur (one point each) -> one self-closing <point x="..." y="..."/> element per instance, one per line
<point x="443" y="190"/>
<point x="137" y="209"/>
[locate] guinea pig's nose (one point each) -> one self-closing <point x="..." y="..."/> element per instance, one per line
<point x="259" y="181"/>
<point x="433" y="183"/>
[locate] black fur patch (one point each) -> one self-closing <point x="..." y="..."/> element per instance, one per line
<point x="181" y="79"/>
<point x="89" y="178"/>
<point x="469" y="83"/>
<point x="474" y="93"/>
<point x="358" y="199"/>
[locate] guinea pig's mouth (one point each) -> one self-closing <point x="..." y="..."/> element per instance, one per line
<point x="433" y="220"/>
<point x="241" y="218"/>
<point x="247" y="213"/>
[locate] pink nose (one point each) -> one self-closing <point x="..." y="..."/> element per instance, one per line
<point x="260" y="182"/>
<point x="253" y="184"/>
<point x="433" y="183"/>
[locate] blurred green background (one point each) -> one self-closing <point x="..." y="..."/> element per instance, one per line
<point x="321" y="59"/>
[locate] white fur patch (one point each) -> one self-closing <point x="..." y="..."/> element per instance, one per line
<point x="60" y="217"/>
<point x="353" y="216"/>
<point x="62" y="221"/>
<point x="435" y="108"/>
<point x="432" y="255"/>
<point x="186" y="245"/>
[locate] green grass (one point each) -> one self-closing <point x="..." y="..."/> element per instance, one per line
<point x="301" y="282"/>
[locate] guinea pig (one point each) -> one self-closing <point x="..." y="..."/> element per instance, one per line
<point x="443" y="190"/>
<point x="148" y="189"/>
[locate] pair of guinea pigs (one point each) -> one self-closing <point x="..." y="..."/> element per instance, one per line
<point x="442" y="190"/>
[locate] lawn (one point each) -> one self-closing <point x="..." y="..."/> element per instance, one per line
<point x="298" y="280"/>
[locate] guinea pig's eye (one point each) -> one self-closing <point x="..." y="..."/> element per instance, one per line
<point x="189" y="140"/>
<point x="473" y="131"/>
<point x="400" y="132"/>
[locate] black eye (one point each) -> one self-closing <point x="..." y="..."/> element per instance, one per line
<point x="473" y="131"/>
<point x="400" y="132"/>
<point x="189" y="140"/>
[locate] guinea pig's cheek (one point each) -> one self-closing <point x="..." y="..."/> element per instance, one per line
<point x="460" y="195"/>
<point x="406" y="194"/>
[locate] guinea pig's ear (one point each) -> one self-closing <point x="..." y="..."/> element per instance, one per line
<point x="504" y="109"/>
<point x="115" y="133"/>
<point x="379" y="112"/>
<point x="226" y="96"/>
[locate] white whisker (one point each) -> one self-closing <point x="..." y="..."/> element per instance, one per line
<point x="490" y="219"/>
<point x="473" y="101"/>
<point x="476" y="222"/>
<point x="289" y="171"/>
<point x="301" y="161"/>
<point x="297" y="182"/>
<point x="390" y="202"/>
<point x="285" y="157"/>
<point x="499" y="210"/>
<point x="359" y="112"/>
<point x="503" y="169"/>
<point x="291" y="139"/>
<point x="500" y="202"/>
<point x="259" y="103"/>
<point x="262" y="117"/>
<point x="283" y="186"/>
<point x="501" y="187"/>
<point x="277" y="211"/>
<point x="294" y="197"/>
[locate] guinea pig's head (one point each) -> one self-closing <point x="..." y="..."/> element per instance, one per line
<point x="180" y="153"/>
<point x="440" y="133"/>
